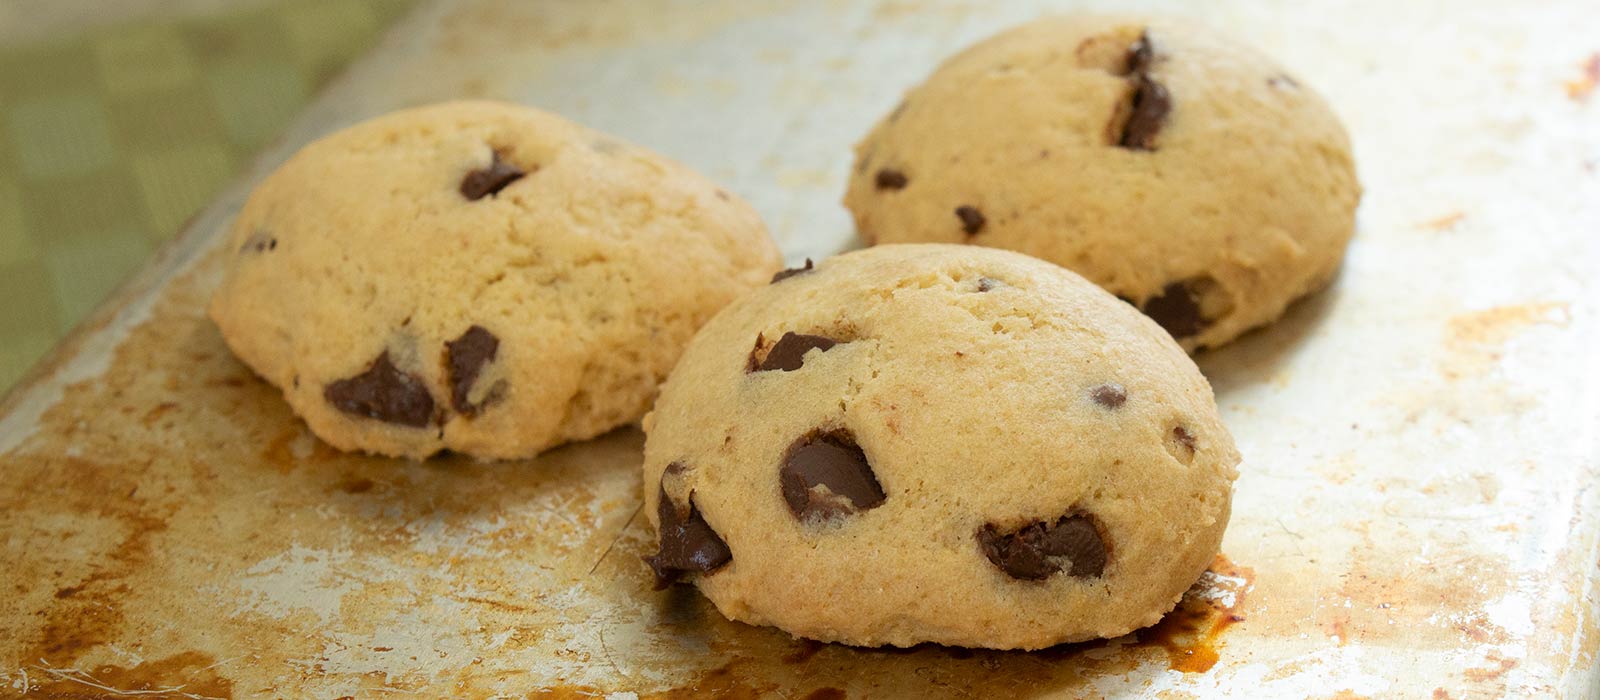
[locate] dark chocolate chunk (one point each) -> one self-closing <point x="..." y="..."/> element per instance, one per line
<point x="827" y="475"/>
<point x="1151" y="101"/>
<point x="1034" y="552"/>
<point x="464" y="360"/>
<point x="786" y="274"/>
<point x="1184" y="437"/>
<point x="383" y="393"/>
<point x="259" y="242"/>
<point x="1141" y="53"/>
<point x="971" y="219"/>
<point x="891" y="179"/>
<point x="790" y="351"/>
<point x="688" y="544"/>
<point x="489" y="181"/>
<point x="1177" y="310"/>
<point x="1110" y="395"/>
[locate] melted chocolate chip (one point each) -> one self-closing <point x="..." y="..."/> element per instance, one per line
<point x="1036" y="551"/>
<point x="687" y="542"/>
<point x="259" y="242"/>
<point x="1141" y="54"/>
<point x="786" y="274"/>
<point x="971" y="219"/>
<point x="1184" y="437"/>
<point x="1177" y="310"/>
<point x="489" y="181"/>
<point x="827" y="475"/>
<point x="1151" y="101"/>
<point x="464" y="360"/>
<point x="891" y="180"/>
<point x="1110" y="395"/>
<point x="383" y="393"/>
<point x="790" y="351"/>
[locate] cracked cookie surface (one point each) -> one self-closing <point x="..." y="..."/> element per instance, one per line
<point x="1178" y="169"/>
<point x="957" y="445"/>
<point x="480" y="277"/>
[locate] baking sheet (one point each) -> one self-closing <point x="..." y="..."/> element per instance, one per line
<point x="1414" y="516"/>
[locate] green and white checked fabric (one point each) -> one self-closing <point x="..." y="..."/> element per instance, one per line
<point x="110" y="139"/>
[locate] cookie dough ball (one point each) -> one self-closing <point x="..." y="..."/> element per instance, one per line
<point x="480" y="277"/>
<point x="937" y="443"/>
<point x="1179" y="170"/>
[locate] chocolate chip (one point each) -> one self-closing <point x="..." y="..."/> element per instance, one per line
<point x="1110" y="395"/>
<point x="1151" y="101"/>
<point x="1036" y="551"/>
<point x="891" y="179"/>
<point x="488" y="182"/>
<point x="988" y="283"/>
<point x="827" y="475"/>
<point x="383" y="393"/>
<point x="464" y="360"/>
<point x="259" y="242"/>
<point x="1141" y="53"/>
<point x="687" y="544"/>
<point x="971" y="219"/>
<point x="1177" y="310"/>
<point x="790" y="351"/>
<point x="1184" y="437"/>
<point x="786" y="274"/>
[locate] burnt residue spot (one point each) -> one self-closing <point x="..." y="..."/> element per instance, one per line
<point x="487" y="182"/>
<point x="1151" y="101"/>
<point x="384" y="393"/>
<point x="826" y="475"/>
<point x="786" y="274"/>
<point x="827" y="694"/>
<point x="890" y="179"/>
<point x="1177" y="309"/>
<point x="1038" y="550"/>
<point x="1109" y="395"/>
<point x="972" y="220"/>
<point x="986" y="284"/>
<point x="355" y="486"/>
<point x="464" y="359"/>
<point x="788" y="354"/>
<point x="807" y="648"/>
<point x="259" y="242"/>
<point x="687" y="542"/>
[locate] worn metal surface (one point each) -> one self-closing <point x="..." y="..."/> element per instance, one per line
<point x="1414" y="517"/>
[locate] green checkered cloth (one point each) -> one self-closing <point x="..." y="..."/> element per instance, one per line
<point x="110" y="140"/>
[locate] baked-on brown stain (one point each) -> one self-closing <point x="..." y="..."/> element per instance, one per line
<point x="187" y="675"/>
<point x="1190" y="633"/>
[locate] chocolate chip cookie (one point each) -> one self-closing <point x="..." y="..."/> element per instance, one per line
<point x="1189" y="175"/>
<point x="478" y="276"/>
<point x="937" y="443"/>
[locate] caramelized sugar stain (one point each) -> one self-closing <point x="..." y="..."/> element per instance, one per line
<point x="186" y="675"/>
<point x="1189" y="634"/>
